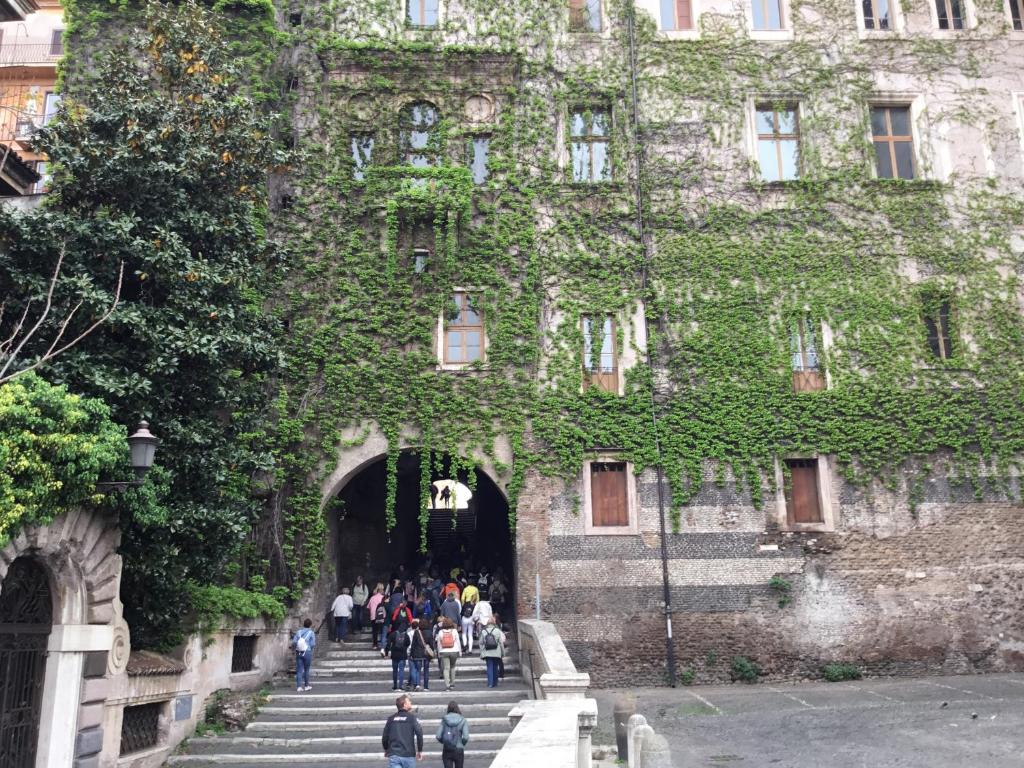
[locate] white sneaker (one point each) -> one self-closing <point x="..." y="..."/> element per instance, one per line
<point x="300" y="689"/>
<point x="308" y="688"/>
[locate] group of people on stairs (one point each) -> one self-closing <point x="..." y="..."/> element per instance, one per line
<point x="414" y="621"/>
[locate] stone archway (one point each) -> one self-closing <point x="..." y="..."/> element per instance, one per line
<point x="26" y="619"/>
<point x="78" y="554"/>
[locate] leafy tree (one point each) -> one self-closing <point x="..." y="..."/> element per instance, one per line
<point x="161" y="162"/>
<point x="54" y="446"/>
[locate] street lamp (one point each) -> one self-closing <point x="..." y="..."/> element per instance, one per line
<point x="142" y="448"/>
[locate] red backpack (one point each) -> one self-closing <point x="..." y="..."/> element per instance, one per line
<point x="447" y="638"/>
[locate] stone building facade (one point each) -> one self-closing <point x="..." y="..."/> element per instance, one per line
<point x="898" y="572"/>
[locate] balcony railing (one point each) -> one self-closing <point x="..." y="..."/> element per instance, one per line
<point x="27" y="54"/>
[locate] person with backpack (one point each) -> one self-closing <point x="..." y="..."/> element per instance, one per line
<point x="449" y="648"/>
<point x="466" y="620"/>
<point x="402" y="616"/>
<point x="403" y="736"/>
<point x="420" y="654"/>
<point x="378" y="614"/>
<point x="452" y="609"/>
<point x="397" y="647"/>
<point x="492" y="648"/>
<point x="453" y="733"/>
<point x="303" y="643"/>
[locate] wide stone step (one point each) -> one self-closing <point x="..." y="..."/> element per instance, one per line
<point x="511" y="693"/>
<point x="272" y="713"/>
<point x="343" y="727"/>
<point x="358" y="678"/>
<point x="360" y="651"/>
<point x="466" y="662"/>
<point x="322" y="745"/>
<point x="475" y="758"/>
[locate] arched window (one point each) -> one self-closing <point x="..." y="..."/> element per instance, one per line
<point x="420" y="137"/>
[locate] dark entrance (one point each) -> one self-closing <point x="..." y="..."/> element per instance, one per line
<point x="456" y="538"/>
<point x="26" y="616"/>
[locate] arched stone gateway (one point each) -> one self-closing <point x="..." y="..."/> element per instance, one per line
<point x="466" y="521"/>
<point x="26" y="618"/>
<point x="59" y="609"/>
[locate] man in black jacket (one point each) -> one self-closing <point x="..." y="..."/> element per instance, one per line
<point x="403" y="736"/>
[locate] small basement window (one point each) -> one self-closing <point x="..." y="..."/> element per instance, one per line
<point x="140" y="727"/>
<point x="243" y="653"/>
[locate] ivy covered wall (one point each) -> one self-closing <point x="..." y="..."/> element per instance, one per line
<point x="705" y="302"/>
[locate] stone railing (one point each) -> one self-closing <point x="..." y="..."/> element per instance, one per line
<point x="546" y="664"/>
<point x="553" y="729"/>
<point x="646" y="748"/>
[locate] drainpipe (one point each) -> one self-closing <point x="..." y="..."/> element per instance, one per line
<point x="670" y="654"/>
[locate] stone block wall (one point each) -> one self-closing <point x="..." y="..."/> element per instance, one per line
<point x="894" y="590"/>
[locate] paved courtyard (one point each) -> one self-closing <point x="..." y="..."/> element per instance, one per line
<point x="940" y="722"/>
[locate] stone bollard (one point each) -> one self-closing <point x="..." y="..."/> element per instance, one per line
<point x="636" y="745"/>
<point x="654" y="751"/>
<point x="625" y="708"/>
<point x="631" y="725"/>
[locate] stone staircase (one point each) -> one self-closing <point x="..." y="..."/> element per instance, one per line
<point x="339" y="722"/>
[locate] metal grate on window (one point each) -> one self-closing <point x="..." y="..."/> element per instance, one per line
<point x="242" y="653"/>
<point x="140" y="727"/>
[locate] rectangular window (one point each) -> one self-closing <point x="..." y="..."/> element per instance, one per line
<point x="950" y="13"/>
<point x="589" y="136"/>
<point x="894" y="142"/>
<point x="803" y="346"/>
<point x="140" y="727"/>
<point x="43" y="185"/>
<point x="585" y="15"/>
<point x="57" y="42"/>
<point x="478" y="152"/>
<point x="599" y="364"/>
<point x="464" y="331"/>
<point x="243" y="653"/>
<point x="422" y="13"/>
<point x="877" y="14"/>
<point x="1017" y="14"/>
<point x="803" y="504"/>
<point x="938" y="312"/>
<point x="767" y="14"/>
<point x="778" y="143"/>
<point x="420" y="260"/>
<point x="676" y="15"/>
<point x="609" y="494"/>
<point x="362" y="154"/>
<point x="51" y="103"/>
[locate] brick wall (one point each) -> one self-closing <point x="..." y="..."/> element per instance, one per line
<point x="896" y="591"/>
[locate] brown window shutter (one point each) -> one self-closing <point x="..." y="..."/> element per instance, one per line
<point x="608" y="494"/>
<point x="802" y="501"/>
<point x="684" y="14"/>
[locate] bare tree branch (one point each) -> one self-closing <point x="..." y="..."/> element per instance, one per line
<point x="20" y="339"/>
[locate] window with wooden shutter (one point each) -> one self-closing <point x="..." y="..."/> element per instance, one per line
<point x="599" y="361"/>
<point x="803" y="502"/>
<point x="676" y="15"/>
<point x="609" y="494"/>
<point x="585" y="15"/>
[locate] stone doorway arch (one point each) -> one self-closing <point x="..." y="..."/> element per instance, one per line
<point x="26" y="620"/>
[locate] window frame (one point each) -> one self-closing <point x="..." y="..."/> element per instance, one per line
<point x="359" y="168"/>
<point x="632" y="528"/>
<point x="588" y="138"/>
<point x="827" y="502"/>
<point x="592" y="378"/>
<point x="776" y="137"/>
<point x="443" y="325"/>
<point x="783" y="33"/>
<point x="405" y="130"/>
<point x="896" y="22"/>
<point x="943" y="322"/>
<point x="57" y="42"/>
<point x="417" y="269"/>
<point x="1016" y="32"/>
<point x="890" y="139"/>
<point x="471" y="140"/>
<point x="407" y="14"/>
<point x="968" y="17"/>
<point x="585" y="7"/>
<point x="676" y="31"/>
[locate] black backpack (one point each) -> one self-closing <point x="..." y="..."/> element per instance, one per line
<point x="490" y="640"/>
<point x="467" y="610"/>
<point x="451" y="737"/>
<point x="401" y="641"/>
<point x="381" y="614"/>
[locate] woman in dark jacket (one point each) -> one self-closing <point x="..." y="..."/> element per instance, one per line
<point x="419" y="653"/>
<point x="398" y="648"/>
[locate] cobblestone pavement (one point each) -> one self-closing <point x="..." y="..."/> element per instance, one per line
<point x="974" y="721"/>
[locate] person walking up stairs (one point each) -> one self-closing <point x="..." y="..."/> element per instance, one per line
<point x="339" y="723"/>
